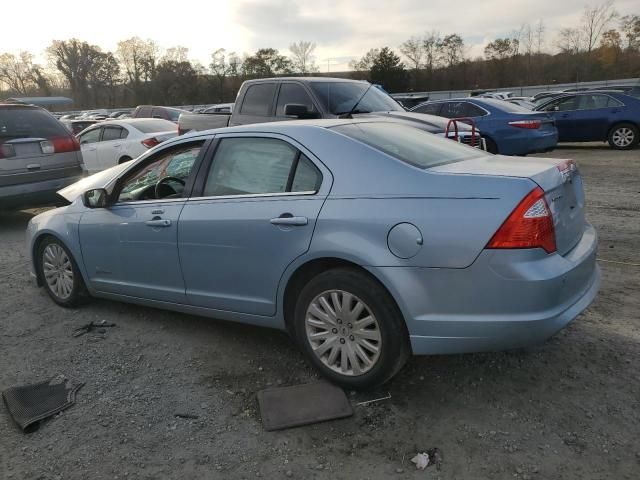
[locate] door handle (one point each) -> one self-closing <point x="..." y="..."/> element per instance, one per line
<point x="33" y="166"/>
<point x="288" y="219"/>
<point x="564" y="115"/>
<point x="158" y="223"/>
<point x="117" y="145"/>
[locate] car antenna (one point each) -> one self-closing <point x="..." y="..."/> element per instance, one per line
<point x="355" y="105"/>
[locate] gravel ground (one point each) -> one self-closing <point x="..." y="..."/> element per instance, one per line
<point x="569" y="408"/>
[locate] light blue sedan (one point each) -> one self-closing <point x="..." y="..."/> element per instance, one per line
<point x="367" y="240"/>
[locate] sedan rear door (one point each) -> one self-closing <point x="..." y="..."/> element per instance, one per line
<point x="253" y="213"/>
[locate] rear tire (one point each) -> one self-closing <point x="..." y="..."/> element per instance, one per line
<point x="350" y="329"/>
<point x="59" y="273"/>
<point x="623" y="136"/>
<point x="491" y="146"/>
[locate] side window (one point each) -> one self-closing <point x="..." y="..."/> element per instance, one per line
<point x="176" y="163"/>
<point x="613" y="102"/>
<point x="258" y="99"/>
<point x="453" y="109"/>
<point x="111" y="133"/>
<point x="293" y="93"/>
<point x="430" y="108"/>
<point x="471" y="110"/>
<point x="307" y="178"/>
<point x="124" y="133"/>
<point x="144" y="112"/>
<point x="244" y="166"/>
<point x="158" y="113"/>
<point x="589" y="102"/>
<point x="92" y="136"/>
<point x="564" y="104"/>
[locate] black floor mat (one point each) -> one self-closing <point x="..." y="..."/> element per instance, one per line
<point x="287" y="407"/>
<point x="29" y="404"/>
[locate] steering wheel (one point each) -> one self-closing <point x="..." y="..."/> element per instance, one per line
<point x="162" y="183"/>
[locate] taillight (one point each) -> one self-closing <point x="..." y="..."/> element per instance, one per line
<point x="7" y="151"/>
<point x="530" y="225"/>
<point x="528" y="124"/>
<point x="60" y="145"/>
<point x="150" y="142"/>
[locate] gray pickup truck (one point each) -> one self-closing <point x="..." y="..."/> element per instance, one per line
<point x="277" y="99"/>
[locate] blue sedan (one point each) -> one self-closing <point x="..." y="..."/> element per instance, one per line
<point x="367" y="240"/>
<point x="596" y="116"/>
<point x="508" y="129"/>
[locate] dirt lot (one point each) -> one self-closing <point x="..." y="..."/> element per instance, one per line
<point x="567" y="409"/>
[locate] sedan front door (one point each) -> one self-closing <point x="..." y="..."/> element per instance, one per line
<point x="89" y="146"/>
<point x="131" y="247"/>
<point x="251" y="216"/>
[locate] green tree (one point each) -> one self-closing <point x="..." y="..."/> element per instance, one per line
<point x="75" y="60"/>
<point x="266" y="62"/>
<point x="388" y="70"/>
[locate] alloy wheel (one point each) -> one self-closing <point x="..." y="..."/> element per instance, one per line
<point x="623" y="137"/>
<point x="343" y="332"/>
<point x="58" y="271"/>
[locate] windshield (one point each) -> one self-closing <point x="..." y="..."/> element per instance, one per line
<point x="153" y="126"/>
<point x="339" y="97"/>
<point x="411" y="145"/>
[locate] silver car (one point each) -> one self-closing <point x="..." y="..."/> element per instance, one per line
<point x="366" y="240"/>
<point x="38" y="156"/>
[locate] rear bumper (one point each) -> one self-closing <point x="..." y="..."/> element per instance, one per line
<point x="528" y="141"/>
<point x="36" y="194"/>
<point x="505" y="299"/>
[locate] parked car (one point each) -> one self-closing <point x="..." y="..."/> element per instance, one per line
<point x="410" y="100"/>
<point x="359" y="237"/>
<point x="165" y="113"/>
<point x="541" y="97"/>
<point x="220" y="108"/>
<point x="523" y="102"/>
<point x="279" y="99"/>
<point x="38" y="157"/>
<point x="596" y="116"/>
<point x="76" y="126"/>
<point x="633" y="90"/>
<point x="508" y="129"/>
<point x="112" y="142"/>
<point x="119" y="113"/>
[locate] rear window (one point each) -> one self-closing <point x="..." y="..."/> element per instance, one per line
<point x="411" y="145"/>
<point x="21" y="122"/>
<point x="153" y="126"/>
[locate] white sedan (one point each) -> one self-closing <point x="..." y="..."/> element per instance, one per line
<point x="112" y="142"/>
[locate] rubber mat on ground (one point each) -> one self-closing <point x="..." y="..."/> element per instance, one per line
<point x="29" y="404"/>
<point x="286" y="407"/>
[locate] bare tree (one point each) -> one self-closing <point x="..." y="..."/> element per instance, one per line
<point x="176" y="54"/>
<point x="539" y="33"/>
<point x="413" y="49"/>
<point x="366" y="62"/>
<point x="303" y="60"/>
<point x="139" y="58"/>
<point x="430" y="49"/>
<point x="451" y="49"/>
<point x="570" y="40"/>
<point x="17" y="71"/>
<point x="594" y="20"/>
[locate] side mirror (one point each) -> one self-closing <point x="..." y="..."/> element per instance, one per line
<point x="95" y="198"/>
<point x="298" y="110"/>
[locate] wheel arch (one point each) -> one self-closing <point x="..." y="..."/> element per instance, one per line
<point x="620" y="122"/>
<point x="35" y="246"/>
<point x="124" y="158"/>
<point x="305" y="271"/>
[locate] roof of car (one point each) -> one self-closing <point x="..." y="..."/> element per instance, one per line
<point x="287" y="125"/>
<point x="308" y="79"/>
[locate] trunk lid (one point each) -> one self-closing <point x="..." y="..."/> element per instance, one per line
<point x="560" y="180"/>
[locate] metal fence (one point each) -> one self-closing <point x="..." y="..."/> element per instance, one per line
<point x="529" y="90"/>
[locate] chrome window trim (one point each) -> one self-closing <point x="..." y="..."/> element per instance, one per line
<point x="622" y="104"/>
<point x="254" y="195"/>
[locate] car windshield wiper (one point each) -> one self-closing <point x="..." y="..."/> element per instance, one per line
<point x="355" y="105"/>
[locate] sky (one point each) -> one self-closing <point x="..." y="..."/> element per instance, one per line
<point x="342" y="30"/>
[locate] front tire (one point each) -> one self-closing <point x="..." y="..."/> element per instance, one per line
<point x="624" y="136"/>
<point x="492" y="147"/>
<point x="59" y="273"/>
<point x="350" y="329"/>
